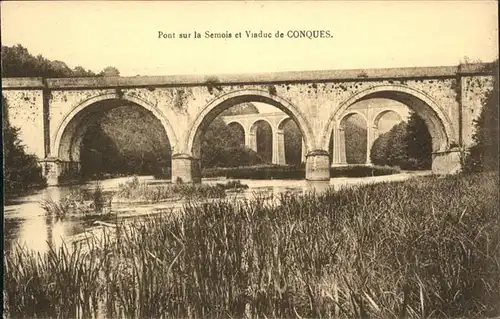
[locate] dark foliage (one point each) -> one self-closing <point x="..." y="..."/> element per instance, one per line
<point x="125" y="140"/>
<point x="222" y="148"/>
<point x="222" y="145"/>
<point x="293" y="143"/>
<point x="265" y="141"/>
<point x="406" y="145"/>
<point x="355" y="139"/>
<point x="18" y="62"/>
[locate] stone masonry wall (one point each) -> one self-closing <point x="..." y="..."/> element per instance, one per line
<point x="25" y="111"/>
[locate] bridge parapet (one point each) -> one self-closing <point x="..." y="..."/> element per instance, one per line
<point x="22" y="83"/>
<point x="251" y="78"/>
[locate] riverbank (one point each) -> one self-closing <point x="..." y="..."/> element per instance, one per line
<point x="271" y="171"/>
<point x="295" y="172"/>
<point x="378" y="250"/>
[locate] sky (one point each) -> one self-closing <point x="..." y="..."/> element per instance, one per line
<point x="364" y="34"/>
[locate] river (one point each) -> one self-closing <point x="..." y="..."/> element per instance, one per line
<point x="26" y="224"/>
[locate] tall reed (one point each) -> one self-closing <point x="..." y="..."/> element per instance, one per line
<point x="134" y="190"/>
<point x="426" y="247"/>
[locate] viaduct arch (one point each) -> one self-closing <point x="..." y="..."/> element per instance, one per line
<point x="69" y="134"/>
<point x="438" y="123"/>
<point x="276" y="120"/>
<point x="381" y="113"/>
<point x="190" y="163"/>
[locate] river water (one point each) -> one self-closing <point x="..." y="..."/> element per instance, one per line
<point x="26" y="223"/>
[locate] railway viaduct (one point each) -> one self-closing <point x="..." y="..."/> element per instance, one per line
<point x="372" y="114"/>
<point x="53" y="113"/>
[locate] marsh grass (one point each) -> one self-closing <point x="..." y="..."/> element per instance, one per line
<point x="134" y="190"/>
<point x="232" y="185"/>
<point x="79" y="201"/>
<point x="426" y="247"/>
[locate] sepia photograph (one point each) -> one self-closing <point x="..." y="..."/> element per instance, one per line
<point x="250" y="159"/>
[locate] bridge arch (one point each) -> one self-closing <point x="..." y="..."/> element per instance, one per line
<point x="378" y="115"/>
<point x="257" y="129"/>
<point x="236" y="125"/>
<point x="437" y="122"/>
<point x="289" y="154"/>
<point x="225" y="101"/>
<point x="70" y="131"/>
<point x="254" y="124"/>
<point x="236" y="122"/>
<point x="344" y="116"/>
<point x="282" y="123"/>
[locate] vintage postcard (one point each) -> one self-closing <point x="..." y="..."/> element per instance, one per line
<point x="250" y="159"/>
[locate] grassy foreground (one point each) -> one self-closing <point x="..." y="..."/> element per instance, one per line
<point x="427" y="247"/>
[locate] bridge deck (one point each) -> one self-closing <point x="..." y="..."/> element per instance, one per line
<point x="257" y="78"/>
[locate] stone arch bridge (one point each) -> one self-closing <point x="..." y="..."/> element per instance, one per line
<point x="276" y="120"/>
<point x="54" y="113"/>
<point x="248" y="123"/>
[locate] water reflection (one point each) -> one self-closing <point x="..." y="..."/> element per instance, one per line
<point x="26" y="223"/>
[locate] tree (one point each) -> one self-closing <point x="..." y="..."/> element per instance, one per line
<point x="355" y="139"/>
<point x="378" y="154"/>
<point x="418" y="143"/>
<point x="221" y="146"/>
<point x="293" y="142"/>
<point x="216" y="141"/>
<point x="390" y="148"/>
<point x="407" y="145"/>
<point x="18" y="62"/>
<point x="21" y="170"/>
<point x="79" y="71"/>
<point x="109" y="71"/>
<point x="239" y="109"/>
